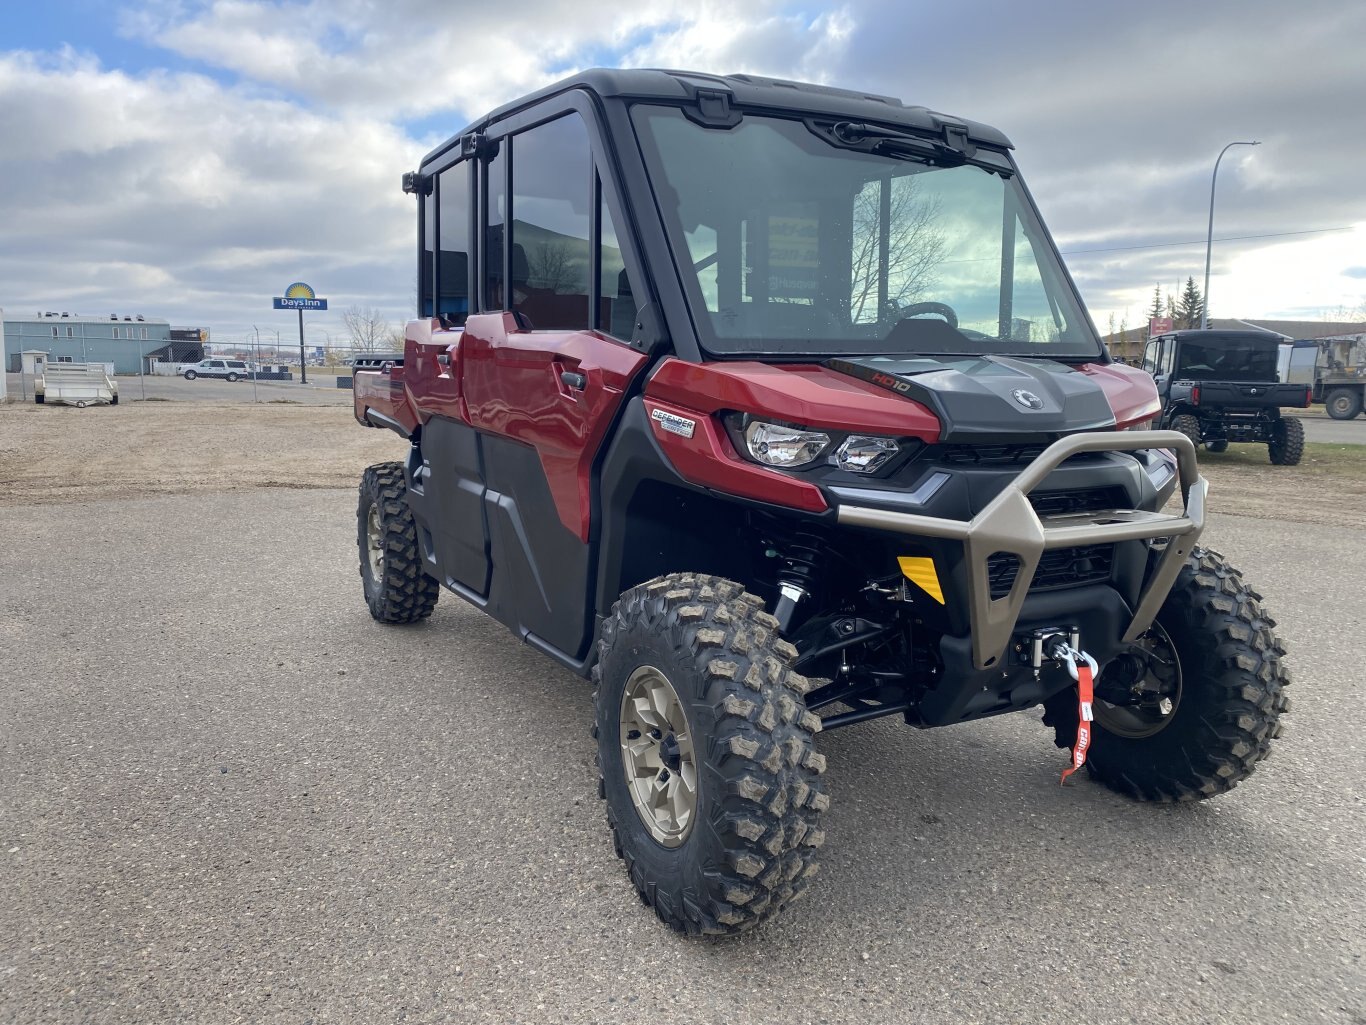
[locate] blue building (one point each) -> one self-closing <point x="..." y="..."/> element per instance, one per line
<point x="124" y="341"/>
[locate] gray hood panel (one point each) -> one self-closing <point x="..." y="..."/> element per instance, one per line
<point x="982" y="398"/>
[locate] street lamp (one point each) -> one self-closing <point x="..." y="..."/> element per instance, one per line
<point x="1209" y="237"/>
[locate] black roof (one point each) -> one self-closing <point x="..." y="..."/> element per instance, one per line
<point x="1215" y="338"/>
<point x="749" y="91"/>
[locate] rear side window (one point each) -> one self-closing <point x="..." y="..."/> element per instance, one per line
<point x="453" y="254"/>
<point x="552" y="212"/>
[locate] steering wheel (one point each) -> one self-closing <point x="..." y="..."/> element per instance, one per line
<point x="940" y="309"/>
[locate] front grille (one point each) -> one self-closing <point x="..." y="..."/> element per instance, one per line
<point x="1085" y="500"/>
<point x="1059" y="568"/>
<point x="989" y="455"/>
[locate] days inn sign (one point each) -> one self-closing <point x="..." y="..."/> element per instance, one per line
<point x="299" y="296"/>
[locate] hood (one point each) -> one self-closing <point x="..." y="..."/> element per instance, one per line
<point x="978" y="398"/>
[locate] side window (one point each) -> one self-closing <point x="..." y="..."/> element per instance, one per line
<point x="1150" y="358"/>
<point x="453" y="254"/>
<point x="427" y="270"/>
<point x="552" y="191"/>
<point x="1166" y="350"/>
<point x="617" y="303"/>
<point x="495" y="218"/>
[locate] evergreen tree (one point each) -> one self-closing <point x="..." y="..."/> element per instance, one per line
<point x="1155" y="310"/>
<point x="1191" y="305"/>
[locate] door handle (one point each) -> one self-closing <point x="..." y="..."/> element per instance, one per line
<point x="574" y="379"/>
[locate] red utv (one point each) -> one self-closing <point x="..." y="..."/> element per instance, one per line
<point x="772" y="408"/>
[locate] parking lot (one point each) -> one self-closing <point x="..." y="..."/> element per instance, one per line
<point x="227" y="795"/>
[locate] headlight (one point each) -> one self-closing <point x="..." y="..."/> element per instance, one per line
<point x="776" y="445"/>
<point x="865" y="454"/>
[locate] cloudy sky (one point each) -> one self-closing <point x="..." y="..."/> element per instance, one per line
<point x="190" y="158"/>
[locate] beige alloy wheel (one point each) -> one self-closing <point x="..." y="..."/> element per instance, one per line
<point x="657" y="756"/>
<point x="374" y="544"/>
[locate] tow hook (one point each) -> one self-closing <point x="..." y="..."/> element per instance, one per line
<point x="1082" y="668"/>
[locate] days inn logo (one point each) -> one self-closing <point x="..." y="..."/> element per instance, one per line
<point x="300" y="296"/>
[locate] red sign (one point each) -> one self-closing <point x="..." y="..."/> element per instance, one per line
<point x="1159" y="325"/>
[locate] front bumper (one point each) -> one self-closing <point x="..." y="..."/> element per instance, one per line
<point x="1010" y="524"/>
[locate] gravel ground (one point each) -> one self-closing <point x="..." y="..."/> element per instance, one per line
<point x="227" y="795"/>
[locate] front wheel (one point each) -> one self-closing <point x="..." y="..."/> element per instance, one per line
<point x="1217" y="446"/>
<point x="190" y="375"/>
<point x="705" y="754"/>
<point x="1343" y="403"/>
<point x="397" y="589"/>
<point x="1207" y="696"/>
<point x="1287" y="442"/>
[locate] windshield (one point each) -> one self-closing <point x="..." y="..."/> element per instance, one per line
<point x="790" y="244"/>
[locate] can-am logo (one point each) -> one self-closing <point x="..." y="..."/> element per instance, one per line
<point x="1027" y="399"/>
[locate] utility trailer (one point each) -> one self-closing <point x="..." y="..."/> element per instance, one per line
<point x="76" y="384"/>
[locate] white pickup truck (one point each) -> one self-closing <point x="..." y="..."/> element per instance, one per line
<point x="76" y="384"/>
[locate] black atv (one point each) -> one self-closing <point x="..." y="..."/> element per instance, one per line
<point x="1222" y="387"/>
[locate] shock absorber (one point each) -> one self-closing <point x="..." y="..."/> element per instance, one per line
<point x="801" y="554"/>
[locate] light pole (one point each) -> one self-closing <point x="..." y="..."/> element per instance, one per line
<point x="1209" y="237"/>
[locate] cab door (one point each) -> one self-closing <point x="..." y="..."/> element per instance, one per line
<point x="542" y="378"/>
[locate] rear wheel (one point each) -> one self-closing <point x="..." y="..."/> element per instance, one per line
<point x="397" y="590"/>
<point x="705" y="754"/>
<point x="1189" y="426"/>
<point x="1343" y="403"/>
<point x="1287" y="441"/>
<point x="232" y="377"/>
<point x="1206" y="707"/>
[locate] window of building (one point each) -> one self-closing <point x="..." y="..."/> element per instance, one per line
<point x="65" y="359"/>
<point x="144" y="334"/>
<point x="552" y="204"/>
<point x="116" y="332"/>
<point x="70" y="332"/>
<point x="453" y="254"/>
<point x="54" y="330"/>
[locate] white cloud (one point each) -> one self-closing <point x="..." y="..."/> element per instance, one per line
<point x="160" y="191"/>
<point x="197" y="194"/>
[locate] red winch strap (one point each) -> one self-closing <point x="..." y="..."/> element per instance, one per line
<point x="1084" y="716"/>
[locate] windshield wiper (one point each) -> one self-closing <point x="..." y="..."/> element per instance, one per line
<point x="953" y="150"/>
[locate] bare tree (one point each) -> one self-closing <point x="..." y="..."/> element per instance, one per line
<point x="550" y="265"/>
<point x="368" y="330"/>
<point x="914" y="247"/>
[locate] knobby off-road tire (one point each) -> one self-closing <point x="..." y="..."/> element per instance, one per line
<point x="1343" y="403"/>
<point x="752" y="841"/>
<point x="396" y="587"/>
<point x="1232" y="695"/>
<point x="1189" y="426"/>
<point x="1287" y="444"/>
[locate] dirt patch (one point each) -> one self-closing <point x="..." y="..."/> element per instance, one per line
<point x="59" y="454"/>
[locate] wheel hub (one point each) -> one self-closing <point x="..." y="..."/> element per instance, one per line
<point x="374" y="544"/>
<point x="1150" y="678"/>
<point x="657" y="756"/>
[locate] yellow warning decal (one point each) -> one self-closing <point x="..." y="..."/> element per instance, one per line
<point x="919" y="570"/>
